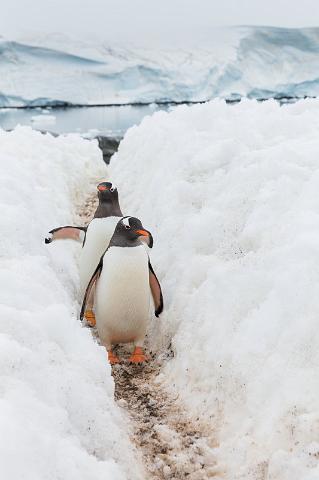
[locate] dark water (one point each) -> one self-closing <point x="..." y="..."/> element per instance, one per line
<point x="108" y="121"/>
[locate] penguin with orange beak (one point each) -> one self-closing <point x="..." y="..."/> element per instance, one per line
<point x="124" y="282"/>
<point x="97" y="236"/>
<point x="108" y="206"/>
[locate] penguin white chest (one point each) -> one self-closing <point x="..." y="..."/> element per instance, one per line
<point x="122" y="300"/>
<point x="97" y="239"/>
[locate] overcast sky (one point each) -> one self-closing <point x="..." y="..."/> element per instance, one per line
<point x="147" y="20"/>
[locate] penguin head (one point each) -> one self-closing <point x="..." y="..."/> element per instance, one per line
<point x="129" y="232"/>
<point x="107" y="192"/>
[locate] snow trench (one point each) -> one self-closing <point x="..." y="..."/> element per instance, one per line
<point x="230" y="195"/>
<point x="59" y="418"/>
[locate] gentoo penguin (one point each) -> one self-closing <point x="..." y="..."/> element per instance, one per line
<point x="124" y="281"/>
<point x="108" y="206"/>
<point x="97" y="237"/>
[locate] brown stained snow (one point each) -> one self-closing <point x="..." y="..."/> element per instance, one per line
<point x="172" y="444"/>
<point x="87" y="210"/>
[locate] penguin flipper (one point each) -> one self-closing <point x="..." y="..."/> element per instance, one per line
<point x="94" y="278"/>
<point x="156" y="291"/>
<point x="67" y="232"/>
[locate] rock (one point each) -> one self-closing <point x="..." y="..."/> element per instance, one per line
<point x="108" y="145"/>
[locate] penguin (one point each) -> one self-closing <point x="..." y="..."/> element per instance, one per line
<point x="99" y="231"/>
<point x="108" y="206"/>
<point x="97" y="237"/>
<point x="124" y="282"/>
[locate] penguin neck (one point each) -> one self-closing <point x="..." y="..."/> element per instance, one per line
<point x="108" y="209"/>
<point x="120" y="241"/>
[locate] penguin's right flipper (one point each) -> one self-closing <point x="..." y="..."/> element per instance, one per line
<point x="94" y="278"/>
<point x="156" y="290"/>
<point x="67" y="232"/>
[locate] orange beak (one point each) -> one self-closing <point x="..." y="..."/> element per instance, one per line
<point x="147" y="235"/>
<point x="102" y="188"/>
<point x="144" y="233"/>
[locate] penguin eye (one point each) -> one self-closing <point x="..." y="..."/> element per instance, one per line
<point x="112" y="189"/>
<point x="127" y="227"/>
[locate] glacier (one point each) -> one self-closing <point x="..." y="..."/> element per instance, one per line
<point x="253" y="62"/>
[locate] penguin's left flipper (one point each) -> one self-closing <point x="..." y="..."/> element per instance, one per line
<point x="156" y="291"/>
<point x="67" y="232"/>
<point x="91" y="284"/>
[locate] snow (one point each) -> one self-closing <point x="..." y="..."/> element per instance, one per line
<point x="231" y="198"/>
<point x="257" y="62"/>
<point x="58" y="418"/>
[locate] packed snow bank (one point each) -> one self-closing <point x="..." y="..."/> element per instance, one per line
<point x="231" y="196"/>
<point x="257" y="62"/>
<point x="58" y="419"/>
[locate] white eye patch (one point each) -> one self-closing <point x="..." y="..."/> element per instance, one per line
<point x="126" y="221"/>
<point x="113" y="187"/>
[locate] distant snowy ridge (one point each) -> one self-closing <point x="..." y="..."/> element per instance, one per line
<point x="257" y="62"/>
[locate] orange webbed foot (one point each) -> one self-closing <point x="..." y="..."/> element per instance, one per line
<point x="90" y="318"/>
<point x="113" y="359"/>
<point x="138" y="356"/>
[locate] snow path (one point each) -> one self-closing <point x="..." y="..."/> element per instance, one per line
<point x="172" y="444"/>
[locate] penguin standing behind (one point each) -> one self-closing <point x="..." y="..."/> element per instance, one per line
<point x="97" y="237"/>
<point x="124" y="281"/>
